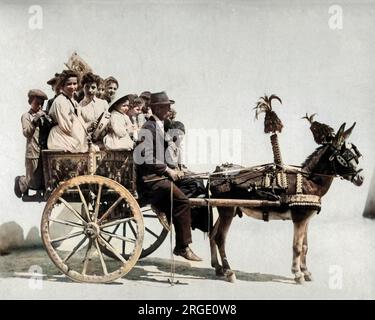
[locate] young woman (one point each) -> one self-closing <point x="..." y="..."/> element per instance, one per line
<point x="91" y="107"/>
<point x="111" y="86"/>
<point x="70" y="133"/>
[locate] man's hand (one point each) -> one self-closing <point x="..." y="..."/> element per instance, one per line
<point x="174" y="174"/>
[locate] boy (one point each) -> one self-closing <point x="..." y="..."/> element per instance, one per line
<point x="30" y="130"/>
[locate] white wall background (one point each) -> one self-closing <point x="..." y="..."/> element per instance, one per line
<point x="215" y="58"/>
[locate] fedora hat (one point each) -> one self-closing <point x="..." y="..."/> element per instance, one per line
<point x="37" y="93"/>
<point x="160" y="98"/>
<point x="129" y="97"/>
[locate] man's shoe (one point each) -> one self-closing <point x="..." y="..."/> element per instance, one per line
<point x="164" y="221"/>
<point x="186" y="253"/>
<point x="17" y="189"/>
<point x="162" y="218"/>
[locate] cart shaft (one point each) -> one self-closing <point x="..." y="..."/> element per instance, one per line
<point x="204" y="202"/>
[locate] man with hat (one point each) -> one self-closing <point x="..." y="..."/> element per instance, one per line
<point x="158" y="178"/>
<point x="30" y="130"/>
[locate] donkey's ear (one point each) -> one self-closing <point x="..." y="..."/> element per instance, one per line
<point x="339" y="136"/>
<point x="348" y="132"/>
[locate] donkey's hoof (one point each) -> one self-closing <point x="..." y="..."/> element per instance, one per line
<point x="219" y="272"/>
<point x="308" y="276"/>
<point x="299" y="279"/>
<point x="231" y="276"/>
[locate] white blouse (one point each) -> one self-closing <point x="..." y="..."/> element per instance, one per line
<point x="69" y="133"/>
<point x="90" y="111"/>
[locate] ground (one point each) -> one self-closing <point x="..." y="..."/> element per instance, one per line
<point x="340" y="258"/>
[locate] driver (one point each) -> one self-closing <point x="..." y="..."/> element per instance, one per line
<point x="158" y="177"/>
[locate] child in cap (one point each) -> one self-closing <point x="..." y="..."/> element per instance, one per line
<point x="30" y="130"/>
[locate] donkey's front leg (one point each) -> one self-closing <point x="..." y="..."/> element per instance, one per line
<point x="306" y="272"/>
<point x="299" y="232"/>
<point x="226" y="217"/>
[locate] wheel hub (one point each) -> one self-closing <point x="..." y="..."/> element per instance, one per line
<point x="92" y="230"/>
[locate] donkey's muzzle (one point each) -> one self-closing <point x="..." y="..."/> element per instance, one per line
<point x="358" y="179"/>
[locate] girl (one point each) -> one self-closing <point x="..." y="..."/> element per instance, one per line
<point x="118" y="136"/>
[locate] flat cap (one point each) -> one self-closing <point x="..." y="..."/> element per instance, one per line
<point x="37" y="93"/>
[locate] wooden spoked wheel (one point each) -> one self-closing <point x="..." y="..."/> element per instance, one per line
<point x="82" y="218"/>
<point x="155" y="232"/>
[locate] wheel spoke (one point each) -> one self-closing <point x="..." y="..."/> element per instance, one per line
<point x="114" y="231"/>
<point x="119" y="237"/>
<point x="97" y="203"/>
<point x="124" y="234"/>
<point x="110" y="248"/>
<point x="132" y="229"/>
<point x="116" y="222"/>
<point x="84" y="203"/>
<point x="68" y="223"/>
<point x="86" y="259"/>
<point x="101" y="257"/>
<point x="150" y="216"/>
<point x="75" y="249"/>
<point x="109" y="211"/>
<point x="69" y="236"/>
<point x="67" y="204"/>
<point x="151" y="232"/>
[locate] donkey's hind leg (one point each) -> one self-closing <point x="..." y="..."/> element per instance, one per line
<point x="213" y="246"/>
<point x="299" y="232"/>
<point x="306" y="272"/>
<point x="225" y="219"/>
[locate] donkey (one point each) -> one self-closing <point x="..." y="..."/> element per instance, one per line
<point x="337" y="158"/>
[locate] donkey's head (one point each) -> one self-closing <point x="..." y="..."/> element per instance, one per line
<point x="344" y="156"/>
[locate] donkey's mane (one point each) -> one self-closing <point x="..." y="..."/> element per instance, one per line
<point x="312" y="160"/>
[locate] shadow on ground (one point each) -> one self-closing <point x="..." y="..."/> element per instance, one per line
<point x="24" y="263"/>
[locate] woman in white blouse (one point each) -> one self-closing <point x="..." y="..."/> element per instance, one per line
<point x="70" y="133"/>
<point x="91" y="107"/>
<point x="118" y="136"/>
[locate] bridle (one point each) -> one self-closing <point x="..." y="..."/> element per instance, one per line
<point x="344" y="159"/>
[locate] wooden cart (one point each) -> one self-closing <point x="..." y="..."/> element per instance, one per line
<point x="93" y="226"/>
